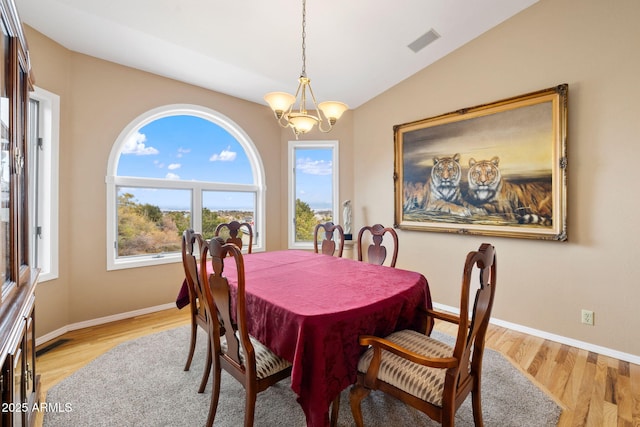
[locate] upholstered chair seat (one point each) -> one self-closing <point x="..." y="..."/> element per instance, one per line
<point x="421" y="381"/>
<point x="267" y="362"/>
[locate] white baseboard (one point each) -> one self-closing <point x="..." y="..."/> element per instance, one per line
<point x="100" y="321"/>
<point x="513" y="326"/>
<point x="553" y="337"/>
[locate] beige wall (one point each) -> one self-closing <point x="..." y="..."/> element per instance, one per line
<point x="589" y="44"/>
<point x="52" y="298"/>
<point x="99" y="99"/>
<point x="593" y="46"/>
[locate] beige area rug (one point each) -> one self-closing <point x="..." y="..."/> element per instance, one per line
<point x="142" y="383"/>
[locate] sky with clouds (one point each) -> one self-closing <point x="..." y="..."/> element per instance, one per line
<point x="192" y="148"/>
<point x="314" y="173"/>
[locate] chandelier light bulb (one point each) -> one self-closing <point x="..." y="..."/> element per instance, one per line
<point x="279" y="102"/>
<point x="332" y="110"/>
<point x="302" y="123"/>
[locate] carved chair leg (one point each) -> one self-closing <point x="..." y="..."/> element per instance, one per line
<point x="356" y="395"/>
<point x="335" y="410"/>
<point x="207" y="369"/>
<point x="192" y="343"/>
<point x="215" y="394"/>
<point x="448" y="416"/>
<point x="476" y="403"/>
<point x="250" y="408"/>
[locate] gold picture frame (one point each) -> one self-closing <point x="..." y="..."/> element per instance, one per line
<point x="497" y="169"/>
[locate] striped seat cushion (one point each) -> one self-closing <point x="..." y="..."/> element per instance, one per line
<point x="420" y="381"/>
<point x="267" y="362"/>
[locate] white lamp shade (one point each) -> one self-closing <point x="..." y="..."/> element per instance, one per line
<point x="279" y="101"/>
<point x="302" y="123"/>
<point x="332" y="109"/>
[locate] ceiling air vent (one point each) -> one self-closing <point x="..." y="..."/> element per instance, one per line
<point x="424" y="40"/>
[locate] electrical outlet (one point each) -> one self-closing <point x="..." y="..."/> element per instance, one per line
<point x="587" y="317"/>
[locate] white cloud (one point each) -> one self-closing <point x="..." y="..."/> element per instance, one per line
<point x="314" y="167"/>
<point x="174" y="166"/>
<point x="172" y="176"/>
<point x="136" y="145"/>
<point x="224" y="156"/>
<point x="182" y="152"/>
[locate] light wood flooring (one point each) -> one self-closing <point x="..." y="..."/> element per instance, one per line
<point x="594" y="390"/>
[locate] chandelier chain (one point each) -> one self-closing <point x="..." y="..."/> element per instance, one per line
<point x="304" y="36"/>
<point x="301" y="121"/>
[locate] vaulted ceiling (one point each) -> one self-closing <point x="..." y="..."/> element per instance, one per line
<point x="355" y="49"/>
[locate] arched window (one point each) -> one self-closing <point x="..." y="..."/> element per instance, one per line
<point x="178" y="167"/>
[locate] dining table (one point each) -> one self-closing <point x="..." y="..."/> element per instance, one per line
<point x="310" y="309"/>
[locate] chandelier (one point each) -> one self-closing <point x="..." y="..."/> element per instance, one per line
<point x="300" y="120"/>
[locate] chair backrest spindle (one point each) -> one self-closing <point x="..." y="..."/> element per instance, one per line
<point x="328" y="245"/>
<point x="376" y="252"/>
<point x="235" y="231"/>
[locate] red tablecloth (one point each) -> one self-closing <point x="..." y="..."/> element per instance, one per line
<point x="310" y="309"/>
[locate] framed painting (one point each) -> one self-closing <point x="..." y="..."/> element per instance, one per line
<point x="497" y="169"/>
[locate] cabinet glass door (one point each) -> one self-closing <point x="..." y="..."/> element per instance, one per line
<point x="5" y="162"/>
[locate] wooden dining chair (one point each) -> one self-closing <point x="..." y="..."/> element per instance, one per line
<point x="191" y="245"/>
<point x="376" y="251"/>
<point x="425" y="373"/>
<point x="233" y="349"/>
<point x="230" y="232"/>
<point x="327" y="244"/>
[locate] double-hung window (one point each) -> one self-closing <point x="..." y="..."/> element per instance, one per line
<point x="178" y="167"/>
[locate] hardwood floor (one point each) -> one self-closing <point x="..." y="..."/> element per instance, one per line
<point x="594" y="390"/>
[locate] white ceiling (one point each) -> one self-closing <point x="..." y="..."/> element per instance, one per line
<point x="356" y="49"/>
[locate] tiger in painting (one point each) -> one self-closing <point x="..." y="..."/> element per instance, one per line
<point x="442" y="192"/>
<point x="527" y="203"/>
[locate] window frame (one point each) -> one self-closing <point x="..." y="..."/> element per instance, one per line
<point x="291" y="205"/>
<point x="196" y="187"/>
<point x="48" y="128"/>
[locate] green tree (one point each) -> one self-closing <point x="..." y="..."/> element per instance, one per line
<point x="126" y="200"/>
<point x="305" y="221"/>
<point x="144" y="229"/>
<point x="136" y="233"/>
<point x="151" y="211"/>
<point x="181" y="219"/>
<point x="210" y="221"/>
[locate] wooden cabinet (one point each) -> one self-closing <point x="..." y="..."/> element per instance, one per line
<point x="19" y="384"/>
